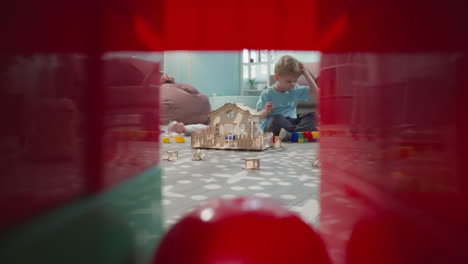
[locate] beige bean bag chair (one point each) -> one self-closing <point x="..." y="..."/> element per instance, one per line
<point x="183" y="103"/>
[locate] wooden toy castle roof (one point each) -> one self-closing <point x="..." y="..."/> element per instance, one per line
<point x="241" y="107"/>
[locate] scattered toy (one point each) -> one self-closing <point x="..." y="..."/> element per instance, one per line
<point x="179" y="139"/>
<point x="278" y="141"/>
<point x="252" y="164"/>
<point x="316" y="164"/>
<point x="172" y="155"/>
<point x="199" y="155"/>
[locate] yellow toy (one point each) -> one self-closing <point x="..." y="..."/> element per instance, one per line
<point x="180" y="139"/>
<point x="315" y="135"/>
<point x="166" y="140"/>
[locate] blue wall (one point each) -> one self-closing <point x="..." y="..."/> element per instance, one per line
<point x="216" y="72"/>
<point x="177" y="64"/>
<point x="210" y="72"/>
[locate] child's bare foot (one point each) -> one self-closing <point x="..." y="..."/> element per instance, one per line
<point x="284" y="135"/>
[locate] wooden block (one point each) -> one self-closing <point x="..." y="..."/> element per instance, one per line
<point x="172" y="155"/>
<point x="252" y="164"/>
<point x="278" y="141"/>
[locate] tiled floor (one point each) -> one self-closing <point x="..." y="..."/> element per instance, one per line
<point x="285" y="175"/>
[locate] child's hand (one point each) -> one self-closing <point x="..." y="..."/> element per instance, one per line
<point x="268" y="107"/>
<point x="302" y="68"/>
<point x="179" y="128"/>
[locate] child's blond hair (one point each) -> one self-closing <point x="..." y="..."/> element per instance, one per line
<point x="287" y="65"/>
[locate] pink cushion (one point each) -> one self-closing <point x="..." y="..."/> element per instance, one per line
<point x="183" y="103"/>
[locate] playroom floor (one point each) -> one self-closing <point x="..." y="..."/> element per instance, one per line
<point x="285" y="174"/>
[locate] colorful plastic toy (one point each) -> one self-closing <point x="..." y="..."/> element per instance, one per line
<point x="301" y="138"/>
<point x="308" y="136"/>
<point x="315" y="136"/>
<point x="180" y="139"/>
<point x="294" y="137"/>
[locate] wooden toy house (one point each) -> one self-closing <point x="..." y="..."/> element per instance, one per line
<point x="233" y="126"/>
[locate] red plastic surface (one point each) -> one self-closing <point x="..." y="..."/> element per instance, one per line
<point x="71" y="130"/>
<point x="326" y="25"/>
<point x="393" y="126"/>
<point x="393" y="152"/>
<point x="241" y="230"/>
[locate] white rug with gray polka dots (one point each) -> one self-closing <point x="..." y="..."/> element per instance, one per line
<point x="285" y="174"/>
